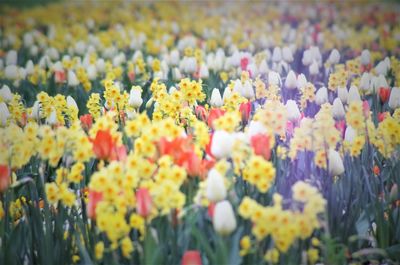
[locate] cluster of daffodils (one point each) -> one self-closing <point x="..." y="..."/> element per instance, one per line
<point x="241" y="127"/>
<point x="284" y="225"/>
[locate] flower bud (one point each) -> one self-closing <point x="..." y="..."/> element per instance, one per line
<point x="71" y="103"/>
<point x="4" y="113"/>
<point x="135" y="97"/>
<point x="274" y="78"/>
<point x="287" y="54"/>
<point x="216" y="190"/>
<point x="365" y="57"/>
<point x="365" y="82"/>
<point x="350" y="134"/>
<point x="224" y="220"/>
<point x="52" y="119"/>
<point x="338" y="109"/>
<point x="301" y="81"/>
<point x="191" y="257"/>
<point x="321" y="96"/>
<point x="291" y="81"/>
<point x="143" y="202"/>
<point x="204" y="73"/>
<point x="247" y="90"/>
<point x="5" y="93"/>
<point x="394" y="99"/>
<point x="222" y="144"/>
<point x="313" y="68"/>
<point x="11" y="57"/>
<point x="292" y="110"/>
<point x="72" y="79"/>
<point x="353" y="94"/>
<point x="343" y="94"/>
<point x="334" y="57"/>
<point x="277" y="55"/>
<point x="216" y="99"/>
<point x="336" y="166"/>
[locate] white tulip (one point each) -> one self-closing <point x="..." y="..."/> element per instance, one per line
<point x="291" y="81"/>
<point x="343" y="94"/>
<point x="338" y="109"/>
<point x="394" y="99"/>
<point x="36" y="112"/>
<point x="334" y="57"/>
<point x="5" y="93"/>
<point x="176" y="74"/>
<point x="321" y="96"/>
<point x="227" y="94"/>
<point x="382" y="68"/>
<point x="80" y="47"/>
<point x="247" y="90"/>
<point x="274" y="78"/>
<point x="263" y="67"/>
<point x="174" y="58"/>
<point x="189" y="65"/>
<point x="287" y="54"/>
<point x="224" y="220"/>
<point x="92" y="72"/>
<point x="29" y="67"/>
<point x="365" y="57"/>
<point x="11" y="72"/>
<point x="365" y="82"/>
<point x="52" y="119"/>
<point x="135" y="97"/>
<point x="350" y="134"/>
<point x="72" y="79"/>
<point x="313" y="68"/>
<point x="71" y="103"/>
<point x="12" y="57"/>
<point x="277" y="55"/>
<point x="336" y="166"/>
<point x="307" y="58"/>
<point x="292" y="110"/>
<point x="222" y="144"/>
<point x="353" y="94"/>
<point x="379" y="82"/>
<point x="100" y="65"/>
<point x="4" y="113"/>
<point x="204" y="73"/>
<point x="301" y="81"/>
<point x="216" y="99"/>
<point x="216" y="190"/>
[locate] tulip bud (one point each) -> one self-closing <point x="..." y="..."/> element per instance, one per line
<point x="11" y="57"/>
<point x="382" y="67"/>
<point x="313" y="68"/>
<point x="4" y="113"/>
<point x="301" y="81"/>
<point x="224" y="220"/>
<point x="176" y="74"/>
<point x="365" y="82"/>
<point x="135" y="97"/>
<point x="353" y="94"/>
<point x="71" y="103"/>
<point x="11" y="72"/>
<point x="52" y="119"/>
<point x="334" y="57"/>
<point x="191" y="257"/>
<point x="216" y="190"/>
<point x="204" y="73"/>
<point x="72" y="79"/>
<point x="36" y="113"/>
<point x="277" y="55"/>
<point x="292" y="110"/>
<point x="255" y="127"/>
<point x="394" y="193"/>
<point x="338" y="109"/>
<point x="343" y="94"/>
<point x="143" y="202"/>
<point x="222" y="144"/>
<point x="307" y="58"/>
<point x="394" y="99"/>
<point x="321" y="96"/>
<point x="274" y="78"/>
<point x="227" y="94"/>
<point x="287" y="54"/>
<point x="174" y="58"/>
<point x="5" y="93"/>
<point x="365" y="57"/>
<point x="350" y="134"/>
<point x="92" y="72"/>
<point x="216" y="99"/>
<point x="379" y="82"/>
<point x="5" y="173"/>
<point x="336" y="166"/>
<point x="247" y="90"/>
<point x="101" y="65"/>
<point x="291" y="81"/>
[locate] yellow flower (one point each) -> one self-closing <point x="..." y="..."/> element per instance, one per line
<point x="272" y="255"/>
<point x="99" y="250"/>
<point x="126" y="247"/>
<point x="245" y="245"/>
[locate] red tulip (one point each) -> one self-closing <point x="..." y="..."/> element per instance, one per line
<point x="243" y="63"/>
<point x="59" y="76"/>
<point x="261" y="145"/>
<point x="104" y="147"/>
<point x="191" y="162"/>
<point x="341" y="126"/>
<point x="366" y="108"/>
<point x="213" y="115"/>
<point x="201" y="113"/>
<point x="384" y="94"/>
<point x="382" y="116"/>
<point x="94" y="198"/>
<point x="191" y="257"/>
<point x="245" y="109"/>
<point x="86" y="121"/>
<point x="143" y="202"/>
<point x="210" y="210"/>
<point x="5" y="173"/>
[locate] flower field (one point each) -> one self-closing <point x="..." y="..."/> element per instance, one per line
<point x="200" y="133"/>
